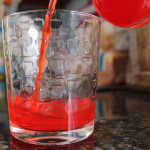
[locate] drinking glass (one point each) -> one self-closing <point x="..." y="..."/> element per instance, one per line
<point x="64" y="110"/>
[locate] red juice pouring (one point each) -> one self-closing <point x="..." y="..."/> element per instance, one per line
<point x="55" y="116"/>
<point x="46" y="33"/>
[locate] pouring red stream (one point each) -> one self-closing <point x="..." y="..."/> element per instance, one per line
<point x="46" y="33"/>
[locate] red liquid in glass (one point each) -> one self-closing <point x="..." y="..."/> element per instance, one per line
<point x="51" y="116"/>
<point x="28" y="113"/>
<point x="124" y="13"/>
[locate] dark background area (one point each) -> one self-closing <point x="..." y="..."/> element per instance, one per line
<point x="37" y="4"/>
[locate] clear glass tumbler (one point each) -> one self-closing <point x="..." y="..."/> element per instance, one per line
<point x="51" y="93"/>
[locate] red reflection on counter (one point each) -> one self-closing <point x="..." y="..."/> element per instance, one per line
<point x="87" y="144"/>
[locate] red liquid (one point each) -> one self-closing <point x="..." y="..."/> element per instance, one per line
<point x="52" y="116"/>
<point x="46" y="33"/>
<point x="124" y="13"/>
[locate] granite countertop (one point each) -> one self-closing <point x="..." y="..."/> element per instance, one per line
<point x="122" y="122"/>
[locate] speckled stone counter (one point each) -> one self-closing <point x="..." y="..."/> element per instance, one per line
<point x="122" y="122"/>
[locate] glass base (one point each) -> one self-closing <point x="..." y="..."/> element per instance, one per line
<point x="52" y="138"/>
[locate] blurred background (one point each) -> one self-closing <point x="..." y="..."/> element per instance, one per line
<point x="124" y="56"/>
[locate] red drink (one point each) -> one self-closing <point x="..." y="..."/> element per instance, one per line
<point x="53" y="116"/>
<point x="124" y="13"/>
<point x="47" y="116"/>
<point x="29" y="114"/>
<point x="46" y="33"/>
<point x="51" y="94"/>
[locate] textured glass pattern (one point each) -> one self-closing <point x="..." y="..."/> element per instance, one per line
<point x="71" y="57"/>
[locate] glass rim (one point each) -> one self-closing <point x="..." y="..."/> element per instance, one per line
<point x="61" y="10"/>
